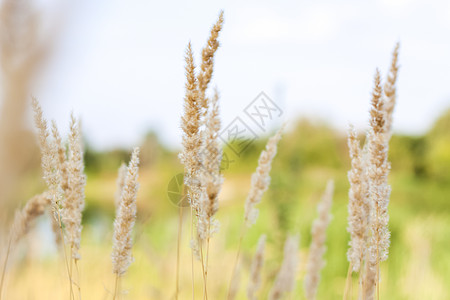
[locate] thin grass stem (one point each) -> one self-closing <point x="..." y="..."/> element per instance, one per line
<point x="180" y="228"/>
<point x="4" y="265"/>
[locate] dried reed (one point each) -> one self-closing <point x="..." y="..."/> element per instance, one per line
<point x="358" y="204"/>
<point x="317" y="249"/>
<point x="207" y="65"/>
<point x="210" y="177"/>
<point x="125" y="218"/>
<point x="74" y="203"/>
<point x="285" y="280"/>
<point x="379" y="191"/>
<point x="256" y="269"/>
<point x="390" y="90"/>
<point x="261" y="179"/>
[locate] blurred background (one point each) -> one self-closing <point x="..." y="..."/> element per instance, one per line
<point x="119" y="66"/>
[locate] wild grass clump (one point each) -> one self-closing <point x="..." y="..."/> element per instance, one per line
<point x="201" y="155"/>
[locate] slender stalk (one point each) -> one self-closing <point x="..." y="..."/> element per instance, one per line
<point x="70" y="271"/>
<point x="348" y="282"/>
<point x="192" y="254"/>
<point x="378" y="264"/>
<point x="206" y="260"/>
<point x="79" y="279"/>
<point x="360" y="280"/>
<point x="180" y="227"/>
<point x="205" y="291"/>
<point x="4" y="266"/>
<point x="65" y="255"/>
<point x="116" y="287"/>
<point x="236" y="260"/>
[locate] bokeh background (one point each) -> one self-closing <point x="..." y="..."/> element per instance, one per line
<point x="120" y="67"/>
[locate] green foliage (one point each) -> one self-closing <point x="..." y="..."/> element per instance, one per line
<point x="438" y="149"/>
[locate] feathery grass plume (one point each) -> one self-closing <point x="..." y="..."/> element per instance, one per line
<point x="121" y="176"/>
<point x="50" y="163"/>
<point x="61" y="166"/>
<point x="62" y="157"/>
<point x="256" y="269"/>
<point x="210" y="177"/>
<point x="358" y="204"/>
<point x="285" y="280"/>
<point x="190" y="124"/>
<point x="49" y="159"/>
<point x="261" y="179"/>
<point x="21" y="225"/>
<point x="207" y="65"/>
<point x="74" y="203"/>
<point x="379" y="167"/>
<point x="125" y="219"/>
<point x="317" y="249"/>
<point x="379" y="191"/>
<point x="23" y="218"/>
<point x="390" y="89"/>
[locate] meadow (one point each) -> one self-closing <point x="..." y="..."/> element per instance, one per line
<point x="101" y="230"/>
<point x="416" y="269"/>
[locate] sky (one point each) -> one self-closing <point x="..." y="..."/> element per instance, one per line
<point x="119" y="65"/>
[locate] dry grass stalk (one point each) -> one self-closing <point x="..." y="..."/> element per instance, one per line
<point x="49" y="159"/>
<point x="74" y="202"/>
<point x="49" y="164"/>
<point x="24" y="218"/>
<point x="207" y="65"/>
<point x="285" y="280"/>
<point x="61" y="166"/>
<point x="210" y="177"/>
<point x="317" y="249"/>
<point x="358" y="204"/>
<point x="21" y="225"/>
<point x="189" y="156"/>
<point x="125" y="219"/>
<point x="62" y="157"/>
<point x="390" y="89"/>
<point x="120" y="182"/>
<point x="260" y="183"/>
<point x="190" y="124"/>
<point x="379" y="191"/>
<point x="256" y="269"/>
<point x="261" y="179"/>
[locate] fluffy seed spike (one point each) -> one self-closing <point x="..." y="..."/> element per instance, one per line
<point x="121" y="176"/>
<point x="190" y="124"/>
<point x="256" y="269"/>
<point x="261" y="179"/>
<point x="379" y="192"/>
<point x="358" y="204"/>
<point x="49" y="158"/>
<point x="61" y="163"/>
<point x="125" y="218"/>
<point x="24" y="218"/>
<point x="377" y="116"/>
<point x="74" y="203"/>
<point x="207" y="66"/>
<point x="210" y="177"/>
<point x="285" y="280"/>
<point x="317" y="250"/>
<point x="390" y="89"/>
